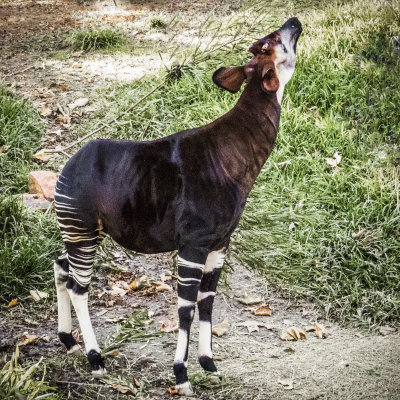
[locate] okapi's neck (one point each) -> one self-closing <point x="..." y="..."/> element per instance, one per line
<point x="253" y="125"/>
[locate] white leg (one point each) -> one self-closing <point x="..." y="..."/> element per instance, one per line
<point x="205" y="300"/>
<point x="63" y="300"/>
<point x="64" y="306"/>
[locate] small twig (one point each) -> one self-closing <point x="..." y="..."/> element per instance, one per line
<point x="103" y="124"/>
<point x="80" y="383"/>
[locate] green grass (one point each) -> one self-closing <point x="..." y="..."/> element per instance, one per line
<point x="157" y="23"/>
<point x="344" y="98"/>
<point x="20" y="133"/>
<point x="298" y="224"/>
<point x="19" y="382"/>
<point x="96" y="39"/>
<point x="28" y="240"/>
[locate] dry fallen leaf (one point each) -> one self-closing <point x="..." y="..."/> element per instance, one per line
<point x="286" y="383"/>
<point x="4" y="148"/>
<point x="81" y="102"/>
<point x="289" y="350"/>
<point x="335" y="160"/>
<point x="77" y="335"/>
<point x="165" y="277"/>
<point x="37" y="295"/>
<point x="121" y="386"/>
<point x="249" y="300"/>
<point x="173" y="390"/>
<point x="12" y="303"/>
<point x="43" y="156"/>
<point x="45" y="110"/>
<point x="26" y="339"/>
<point x="358" y="234"/>
<point x="140" y="283"/>
<point x="220" y="329"/>
<point x="169" y="326"/>
<point x="386" y="330"/>
<point x="252" y="326"/>
<point x="161" y="287"/>
<point x="117" y="291"/>
<point x="320" y="331"/>
<point x="293" y="333"/>
<point x="265" y="310"/>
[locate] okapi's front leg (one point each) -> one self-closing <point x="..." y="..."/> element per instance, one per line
<point x="189" y="278"/>
<point x="205" y="300"/>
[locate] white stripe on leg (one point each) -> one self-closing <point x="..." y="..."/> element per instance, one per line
<point x="63" y="300"/>
<point x="80" y="302"/>
<point x="204" y="348"/>
<point x="181" y="347"/>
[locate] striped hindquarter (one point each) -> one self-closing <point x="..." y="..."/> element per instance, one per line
<point x="73" y="273"/>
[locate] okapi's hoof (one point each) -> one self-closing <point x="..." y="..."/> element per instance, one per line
<point x="215" y="377"/>
<point x="68" y="341"/>
<point x="185" y="389"/>
<point x="96" y="362"/>
<point x="99" y="372"/>
<point x="74" y="349"/>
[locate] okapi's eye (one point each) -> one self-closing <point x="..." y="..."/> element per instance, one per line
<point x="284" y="48"/>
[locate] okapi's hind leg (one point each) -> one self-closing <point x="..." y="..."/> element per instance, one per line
<point x="61" y="274"/>
<point x="81" y="256"/>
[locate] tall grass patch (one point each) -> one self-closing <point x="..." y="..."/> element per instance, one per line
<point x="96" y="39"/>
<point x="28" y="240"/>
<point x="332" y="233"/>
<point x="20" y="133"/>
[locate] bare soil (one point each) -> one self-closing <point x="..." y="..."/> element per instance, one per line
<point x="349" y="364"/>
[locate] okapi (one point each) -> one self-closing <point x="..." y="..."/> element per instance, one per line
<point x="183" y="192"/>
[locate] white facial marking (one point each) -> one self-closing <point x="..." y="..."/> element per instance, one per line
<point x="284" y="63"/>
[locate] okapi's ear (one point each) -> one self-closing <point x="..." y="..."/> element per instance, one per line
<point x="270" y="80"/>
<point x="230" y="79"/>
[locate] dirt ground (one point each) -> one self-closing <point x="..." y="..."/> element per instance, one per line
<point x="348" y="364"/>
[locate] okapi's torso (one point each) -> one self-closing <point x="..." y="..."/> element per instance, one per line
<point x="160" y="195"/>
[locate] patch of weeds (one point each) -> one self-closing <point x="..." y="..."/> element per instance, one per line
<point x="96" y="39"/>
<point x="206" y="380"/>
<point x="20" y="131"/>
<point x="133" y="329"/>
<point x="29" y="241"/>
<point x="157" y="23"/>
<point x="125" y="386"/>
<point x="18" y="382"/>
<point x="176" y="72"/>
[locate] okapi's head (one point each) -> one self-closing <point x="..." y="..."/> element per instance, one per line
<point x="272" y="65"/>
